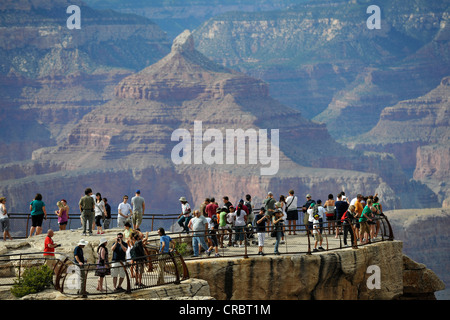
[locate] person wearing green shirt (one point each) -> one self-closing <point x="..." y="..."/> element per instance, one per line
<point x="38" y="214"/>
<point x="364" y="226"/>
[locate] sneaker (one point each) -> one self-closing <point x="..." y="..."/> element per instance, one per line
<point x="315" y="250"/>
<point x="282" y="242"/>
<point x="208" y="253"/>
<point x="321" y="249"/>
<point x="217" y="255"/>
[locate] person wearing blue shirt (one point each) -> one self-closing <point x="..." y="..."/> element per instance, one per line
<point x="165" y="240"/>
<point x="164" y="249"/>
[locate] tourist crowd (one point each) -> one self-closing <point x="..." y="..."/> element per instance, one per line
<point x="211" y="225"/>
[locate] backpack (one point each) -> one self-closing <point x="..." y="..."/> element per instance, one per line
<point x="344" y="217"/>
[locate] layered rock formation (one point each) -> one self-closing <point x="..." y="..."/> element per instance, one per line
<point x="127" y="143"/>
<point x="51" y="76"/>
<point x="416" y="132"/>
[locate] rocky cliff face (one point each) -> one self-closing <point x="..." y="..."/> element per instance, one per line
<point x="51" y="76"/>
<point x="340" y="275"/>
<point x="424" y="234"/>
<point x="127" y="142"/>
<point x="416" y="132"/>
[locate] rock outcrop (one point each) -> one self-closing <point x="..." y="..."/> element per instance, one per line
<point x="424" y="234"/>
<point x="375" y="272"/>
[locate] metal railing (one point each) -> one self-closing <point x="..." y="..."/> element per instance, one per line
<point x="21" y="222"/>
<point x="69" y="278"/>
<point x="303" y="242"/>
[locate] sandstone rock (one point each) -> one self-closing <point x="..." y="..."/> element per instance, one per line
<point x="418" y="281"/>
<point x="334" y="275"/>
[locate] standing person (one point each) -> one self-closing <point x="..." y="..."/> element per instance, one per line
<point x="366" y="215"/>
<point x="4" y="219"/>
<point x="87" y="205"/>
<point x="249" y="205"/>
<point x="107" y="218"/>
<point x="223" y="226"/>
<point x="269" y="205"/>
<point x="200" y="227"/>
<point x="63" y="214"/>
<point x="330" y="211"/>
<point x="124" y="212"/>
<point x="305" y="208"/>
<point x="292" y="212"/>
<point x="318" y="239"/>
<point x="185" y="217"/>
<point x="80" y="262"/>
<point x="119" y="249"/>
<point x="103" y="267"/>
<point x="138" y="204"/>
<point x="138" y="256"/>
<point x="341" y="207"/>
<point x="348" y="220"/>
<point x="164" y="249"/>
<point x="49" y="249"/>
<point x="277" y="221"/>
<point x="378" y="214"/>
<point x="203" y="207"/>
<point x="226" y="202"/>
<point x="38" y="214"/>
<point x="211" y="208"/>
<point x="359" y="209"/>
<point x="259" y="222"/>
<point x="100" y="212"/>
<point x="240" y="221"/>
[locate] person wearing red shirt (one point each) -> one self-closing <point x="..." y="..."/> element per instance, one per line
<point x="49" y="245"/>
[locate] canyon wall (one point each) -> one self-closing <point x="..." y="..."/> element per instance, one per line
<point x="343" y="274"/>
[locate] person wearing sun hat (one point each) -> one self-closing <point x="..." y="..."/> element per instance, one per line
<point x="80" y="262"/>
<point x="103" y="267"/>
<point x="185" y="215"/>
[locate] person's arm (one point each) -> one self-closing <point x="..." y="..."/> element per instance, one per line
<point x="45" y="212"/>
<point x="143" y="208"/>
<point x="163" y="245"/>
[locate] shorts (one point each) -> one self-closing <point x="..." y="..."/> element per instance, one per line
<point x="62" y="223"/>
<point x="5" y="224"/>
<point x="36" y="220"/>
<point x="318" y="236"/>
<point x="137" y="218"/>
<point x="261" y="237"/>
<point x="292" y="215"/>
<point x="117" y="270"/>
<point x="364" y="227"/>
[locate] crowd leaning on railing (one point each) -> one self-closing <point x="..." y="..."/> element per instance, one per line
<point x="213" y="226"/>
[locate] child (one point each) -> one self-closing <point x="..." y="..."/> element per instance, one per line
<point x="213" y="236"/>
<point x="259" y="222"/>
<point x="317" y="235"/>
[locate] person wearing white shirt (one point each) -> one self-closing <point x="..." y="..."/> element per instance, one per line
<point x="124" y="213"/>
<point x="185" y="216"/>
<point x="291" y="211"/>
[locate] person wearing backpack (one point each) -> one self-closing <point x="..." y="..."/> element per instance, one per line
<point x="347" y="221"/>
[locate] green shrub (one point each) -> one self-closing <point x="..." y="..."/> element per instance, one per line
<point x="182" y="248"/>
<point x="33" y="280"/>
